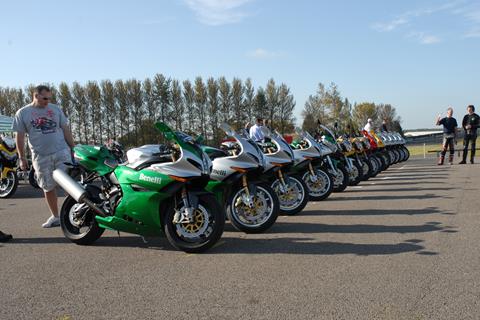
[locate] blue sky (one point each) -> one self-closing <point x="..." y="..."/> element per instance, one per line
<point x="420" y="56"/>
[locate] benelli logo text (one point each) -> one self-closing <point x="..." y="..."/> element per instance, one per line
<point x="156" y="180"/>
<point x="219" y="172"/>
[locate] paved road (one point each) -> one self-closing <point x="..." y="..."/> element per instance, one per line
<point x="401" y="246"/>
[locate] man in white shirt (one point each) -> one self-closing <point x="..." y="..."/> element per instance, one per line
<point x="255" y="131"/>
<point x="369" y="126"/>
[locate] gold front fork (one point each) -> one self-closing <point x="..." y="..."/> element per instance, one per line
<point x="245" y="185"/>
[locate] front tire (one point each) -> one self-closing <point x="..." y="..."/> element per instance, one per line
<point x="340" y="179"/>
<point x="293" y="200"/>
<point x="8" y="185"/>
<point x="261" y="217"/>
<point x="321" y="188"/>
<point x="201" y="234"/>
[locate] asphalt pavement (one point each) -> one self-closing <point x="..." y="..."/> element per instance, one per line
<point x="404" y="245"/>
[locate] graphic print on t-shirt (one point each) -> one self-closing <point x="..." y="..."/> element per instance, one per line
<point x="44" y="124"/>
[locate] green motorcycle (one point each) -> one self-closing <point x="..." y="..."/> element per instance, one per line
<point x="160" y="190"/>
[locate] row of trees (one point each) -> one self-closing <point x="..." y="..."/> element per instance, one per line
<point x="328" y="106"/>
<point x="127" y="110"/>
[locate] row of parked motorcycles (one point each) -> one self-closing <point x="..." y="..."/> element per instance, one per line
<point x="186" y="190"/>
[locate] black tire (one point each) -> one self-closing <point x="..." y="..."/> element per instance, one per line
<point x="326" y="187"/>
<point x="366" y="168"/>
<point x="71" y="231"/>
<point x="407" y="152"/>
<point x="9" y="185"/>
<point x="376" y="165"/>
<point x="383" y="163"/>
<point x="208" y="209"/>
<point x="286" y="209"/>
<point x="358" y="174"/>
<point x="267" y="197"/>
<point x="32" y="179"/>
<point x="343" y="177"/>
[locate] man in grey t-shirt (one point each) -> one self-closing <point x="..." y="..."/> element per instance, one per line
<point x="50" y="141"/>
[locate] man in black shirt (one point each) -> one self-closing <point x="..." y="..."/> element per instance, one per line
<point x="470" y="124"/>
<point x="449" y="135"/>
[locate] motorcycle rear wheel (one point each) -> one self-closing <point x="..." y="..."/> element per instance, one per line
<point x="84" y="233"/>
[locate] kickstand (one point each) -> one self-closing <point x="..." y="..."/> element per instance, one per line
<point x="144" y="241"/>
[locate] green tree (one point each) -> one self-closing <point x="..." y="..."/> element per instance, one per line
<point x="111" y="114"/>
<point x="239" y="116"/>
<point x="260" y="103"/>
<point x="225" y="99"/>
<point x="79" y="102"/>
<point x="248" y="102"/>
<point x="94" y="105"/>
<point x="135" y="98"/>
<point x="364" y="111"/>
<point x="65" y="100"/>
<point x="178" y="107"/>
<point x="213" y="108"/>
<point x="201" y="105"/>
<point x="121" y="99"/>
<point x="189" y="99"/>
<point x="161" y="91"/>
<point x="286" y="103"/>
<point x="271" y="94"/>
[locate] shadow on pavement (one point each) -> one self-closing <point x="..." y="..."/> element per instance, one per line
<point x="398" y="189"/>
<point x="396" y="183"/>
<point x="287" y="227"/>
<point x="305" y="246"/>
<point x="373" y="212"/>
<point x="389" y="197"/>
<point x="122" y="241"/>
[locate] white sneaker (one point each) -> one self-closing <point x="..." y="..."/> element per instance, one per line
<point x="51" y="222"/>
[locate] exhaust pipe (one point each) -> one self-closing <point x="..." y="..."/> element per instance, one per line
<point x="75" y="190"/>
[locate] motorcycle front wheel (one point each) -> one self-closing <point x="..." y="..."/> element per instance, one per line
<point x="258" y="218"/>
<point x="9" y="184"/>
<point x="201" y="234"/>
<point x="320" y="186"/>
<point x="294" y="198"/>
<point x="340" y="178"/>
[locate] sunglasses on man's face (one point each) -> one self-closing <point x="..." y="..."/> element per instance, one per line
<point x="44" y="98"/>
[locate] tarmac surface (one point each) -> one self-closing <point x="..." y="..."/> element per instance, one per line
<point x="404" y="245"/>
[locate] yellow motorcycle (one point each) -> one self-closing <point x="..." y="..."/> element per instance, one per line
<point x="8" y="167"/>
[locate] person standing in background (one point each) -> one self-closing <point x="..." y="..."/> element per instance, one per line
<point x="450" y="125"/>
<point x="369" y="126"/>
<point x="470" y="125"/>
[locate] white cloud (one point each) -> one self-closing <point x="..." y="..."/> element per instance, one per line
<point x="424" y="38"/>
<point x="218" y="12"/>
<point x="466" y="10"/>
<point x="474" y="33"/>
<point x="389" y="26"/>
<point x="261" y="53"/>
